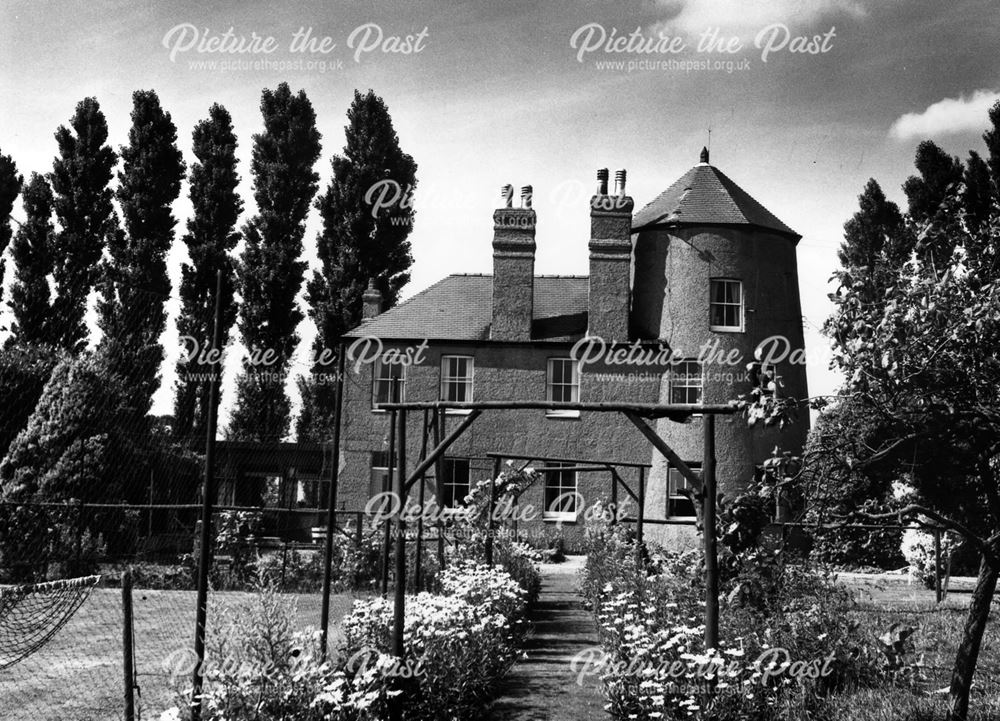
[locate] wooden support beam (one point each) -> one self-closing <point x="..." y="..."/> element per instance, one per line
<point x="440" y="448"/>
<point x="693" y="478"/>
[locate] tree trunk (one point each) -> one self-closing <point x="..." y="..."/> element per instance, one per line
<point x="972" y="637"/>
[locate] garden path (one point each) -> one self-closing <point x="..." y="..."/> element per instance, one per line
<point x="543" y="687"/>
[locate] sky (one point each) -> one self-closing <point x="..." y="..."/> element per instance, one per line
<point x="541" y="94"/>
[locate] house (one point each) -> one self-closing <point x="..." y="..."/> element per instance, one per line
<point x="678" y="297"/>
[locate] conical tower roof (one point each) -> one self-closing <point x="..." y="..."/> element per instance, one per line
<point x="705" y="195"/>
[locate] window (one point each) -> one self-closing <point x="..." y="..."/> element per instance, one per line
<point x="686" y="382"/>
<point x="384" y="383"/>
<point x="456" y="378"/>
<point x="379" y="473"/>
<point x="561" y="499"/>
<point x="563" y="385"/>
<point x="726" y="305"/>
<point x="454" y="482"/>
<point x="678" y="504"/>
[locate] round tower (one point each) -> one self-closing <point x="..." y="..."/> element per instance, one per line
<point x="714" y="276"/>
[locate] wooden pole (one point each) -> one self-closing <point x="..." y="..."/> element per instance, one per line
<point x="399" y="592"/>
<point x="331" y="510"/>
<point x="208" y="492"/>
<point x="128" y="647"/>
<point x="438" y="487"/>
<point x="491" y="506"/>
<point x="641" y="516"/>
<point x="387" y="486"/>
<point x="708" y="532"/>
<point x="937" y="565"/>
<point x="420" y="500"/>
<point x="614" y="497"/>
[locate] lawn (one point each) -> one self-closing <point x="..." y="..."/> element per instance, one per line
<point x="77" y="676"/>
<point x="886" y="599"/>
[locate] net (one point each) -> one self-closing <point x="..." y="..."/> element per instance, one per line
<point x="30" y="615"/>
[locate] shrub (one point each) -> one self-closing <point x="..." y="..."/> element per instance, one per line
<point x="917" y="547"/>
<point x="650" y="623"/>
<point x="456" y="651"/>
<point x="258" y="666"/>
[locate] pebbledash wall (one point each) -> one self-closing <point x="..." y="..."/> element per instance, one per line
<point x="650" y="281"/>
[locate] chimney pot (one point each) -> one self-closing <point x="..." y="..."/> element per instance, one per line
<point x="526" y="193"/>
<point x="507" y="193"/>
<point x="620" y="182"/>
<point x="602" y="181"/>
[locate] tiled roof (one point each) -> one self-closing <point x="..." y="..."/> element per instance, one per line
<point x="460" y="307"/>
<point x="706" y="196"/>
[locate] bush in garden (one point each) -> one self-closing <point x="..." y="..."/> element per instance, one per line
<point x="917" y="547"/>
<point x="456" y="651"/>
<point x="258" y="667"/>
<point x="517" y="559"/>
<point x="654" y="613"/>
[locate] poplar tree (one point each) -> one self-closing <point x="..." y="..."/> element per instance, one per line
<point x="210" y="239"/>
<point x="131" y="310"/>
<point x="367" y="220"/>
<point x="82" y="200"/>
<point x="10" y="188"/>
<point x="31" y="251"/>
<point x="270" y="271"/>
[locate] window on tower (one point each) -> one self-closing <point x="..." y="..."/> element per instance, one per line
<point x="726" y="305"/>
<point x="686" y="382"/>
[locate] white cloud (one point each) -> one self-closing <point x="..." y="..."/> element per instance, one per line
<point x="946" y="117"/>
<point x="741" y="16"/>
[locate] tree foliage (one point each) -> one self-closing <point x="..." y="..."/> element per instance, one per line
<point x="30" y="298"/>
<point x="922" y="371"/>
<point x="80" y="177"/>
<point x="131" y="311"/>
<point x="10" y="188"/>
<point x="210" y="239"/>
<point x="270" y="271"/>
<point x="367" y="219"/>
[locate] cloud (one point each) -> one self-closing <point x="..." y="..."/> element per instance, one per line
<point x="739" y="16"/>
<point x="946" y="117"/>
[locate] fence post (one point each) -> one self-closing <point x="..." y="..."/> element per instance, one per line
<point x="937" y="565"/>
<point x="128" y="665"/>
<point x="208" y="491"/>
<point x="331" y="510"/>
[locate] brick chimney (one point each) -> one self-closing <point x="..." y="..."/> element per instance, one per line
<point x="372" y="301"/>
<point x="610" y="258"/>
<point x="513" y="267"/>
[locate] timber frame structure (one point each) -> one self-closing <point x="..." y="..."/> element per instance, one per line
<point x="637" y="413"/>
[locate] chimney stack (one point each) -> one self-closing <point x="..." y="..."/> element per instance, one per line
<point x="371" y="301"/>
<point x="513" y="267"/>
<point x="610" y="260"/>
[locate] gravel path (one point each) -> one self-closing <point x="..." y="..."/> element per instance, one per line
<point x="544" y="687"/>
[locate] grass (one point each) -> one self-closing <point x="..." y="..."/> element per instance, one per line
<point x="884" y="600"/>
<point x="77" y="676"/>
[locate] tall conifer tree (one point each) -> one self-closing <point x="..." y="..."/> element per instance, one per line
<point x="10" y="188"/>
<point x="30" y="297"/>
<point x="131" y="311"/>
<point x="210" y="239"/>
<point x="367" y="219"/>
<point x="270" y="272"/>
<point x="80" y="177"/>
